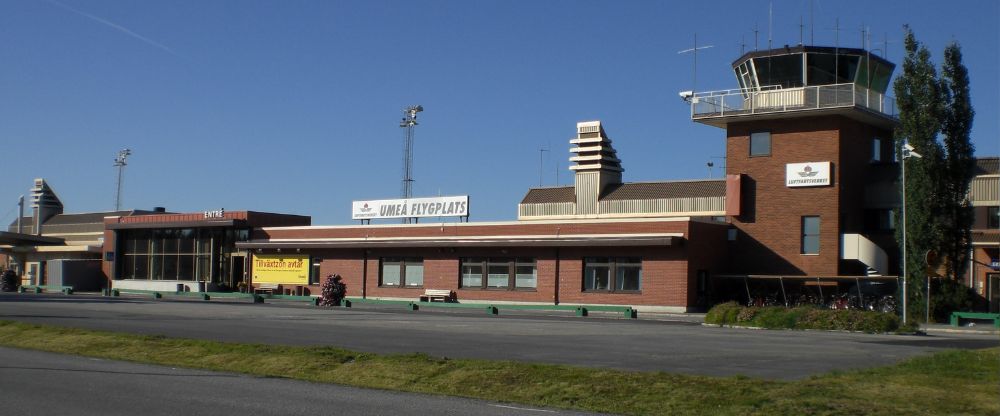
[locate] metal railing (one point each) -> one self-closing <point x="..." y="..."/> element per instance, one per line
<point x="774" y="99"/>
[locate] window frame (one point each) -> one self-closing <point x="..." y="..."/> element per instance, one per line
<point x="992" y="217"/>
<point x="484" y="263"/>
<point x="770" y="144"/>
<point x="612" y="263"/>
<point x="804" y="235"/>
<point x="402" y="263"/>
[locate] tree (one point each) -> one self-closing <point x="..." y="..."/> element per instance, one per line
<point x="938" y="213"/>
<point x="959" y="162"/>
<point x="920" y="102"/>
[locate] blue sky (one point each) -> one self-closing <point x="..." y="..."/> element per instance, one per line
<point x="294" y="106"/>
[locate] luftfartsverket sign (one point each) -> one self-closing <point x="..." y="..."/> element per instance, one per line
<point x="807" y="174"/>
<point x="442" y="206"/>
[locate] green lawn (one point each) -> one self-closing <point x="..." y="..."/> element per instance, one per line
<point x="950" y="382"/>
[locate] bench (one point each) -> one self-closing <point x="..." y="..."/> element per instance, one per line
<point x="957" y="317"/>
<point x="443" y="295"/>
<point x="268" y="288"/>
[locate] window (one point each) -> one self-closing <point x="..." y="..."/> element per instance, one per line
<point x="810" y="235"/>
<point x="612" y="274"/>
<point x="760" y="143"/>
<point x="880" y="220"/>
<point x="876" y="150"/>
<point x="498" y="273"/>
<point x="992" y="217"/>
<point x="401" y="272"/>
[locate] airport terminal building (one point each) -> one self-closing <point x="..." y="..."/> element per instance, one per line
<point x="807" y="204"/>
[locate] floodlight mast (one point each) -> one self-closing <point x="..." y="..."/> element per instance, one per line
<point x="409" y="122"/>
<point x="120" y="164"/>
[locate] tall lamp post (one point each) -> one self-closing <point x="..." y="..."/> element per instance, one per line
<point x="907" y="153"/>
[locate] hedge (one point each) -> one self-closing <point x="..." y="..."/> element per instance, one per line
<point x="803" y="317"/>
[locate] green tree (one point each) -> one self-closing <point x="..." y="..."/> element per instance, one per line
<point x="959" y="161"/>
<point x="919" y="99"/>
<point x="938" y="213"/>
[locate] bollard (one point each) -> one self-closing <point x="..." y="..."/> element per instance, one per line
<point x="581" y="311"/>
<point x="20" y="289"/>
<point x="631" y="313"/>
<point x="258" y="299"/>
<point x="492" y="310"/>
<point x="345" y="303"/>
<point x="116" y="292"/>
<point x="315" y="301"/>
<point x="205" y="296"/>
<point x="67" y="291"/>
<point x="157" y="295"/>
<point x="38" y="289"/>
<point x="413" y="306"/>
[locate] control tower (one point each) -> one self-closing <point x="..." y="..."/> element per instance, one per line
<point x="809" y="134"/>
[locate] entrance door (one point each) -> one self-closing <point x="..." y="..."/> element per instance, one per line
<point x="993" y="280"/>
<point x="236" y="270"/>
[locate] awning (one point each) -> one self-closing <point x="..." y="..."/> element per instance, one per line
<point x="579" y="240"/>
<point x="177" y="224"/>
<point x="19" y="239"/>
<point x="799" y="277"/>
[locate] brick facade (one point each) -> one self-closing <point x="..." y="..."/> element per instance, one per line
<point x="770" y="224"/>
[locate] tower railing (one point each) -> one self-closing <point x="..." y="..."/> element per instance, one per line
<point x="775" y="99"/>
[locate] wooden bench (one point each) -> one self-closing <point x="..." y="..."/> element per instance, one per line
<point x="430" y="295"/>
<point x="268" y="288"/>
<point x="957" y="317"/>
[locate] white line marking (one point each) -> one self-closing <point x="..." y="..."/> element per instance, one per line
<point x="523" y="408"/>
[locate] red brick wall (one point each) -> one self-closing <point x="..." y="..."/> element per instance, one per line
<point x="667" y="279"/>
<point x="769" y="241"/>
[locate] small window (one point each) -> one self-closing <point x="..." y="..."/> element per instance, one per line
<point x="498" y="273"/>
<point x="993" y="217"/>
<point x="810" y="235"/>
<point x="760" y="143"/>
<point x="876" y="150"/>
<point x="612" y="274"/>
<point x="401" y="272"/>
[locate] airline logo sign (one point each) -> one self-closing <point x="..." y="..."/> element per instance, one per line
<point x="807" y="174"/>
<point x="442" y="206"/>
<point x="281" y="269"/>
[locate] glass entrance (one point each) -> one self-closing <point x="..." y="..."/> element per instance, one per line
<point x="993" y="280"/>
<point x="237" y="268"/>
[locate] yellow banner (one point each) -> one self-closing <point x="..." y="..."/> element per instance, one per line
<point x="281" y="268"/>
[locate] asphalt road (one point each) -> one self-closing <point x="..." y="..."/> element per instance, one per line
<point x="39" y="383"/>
<point x="680" y="347"/>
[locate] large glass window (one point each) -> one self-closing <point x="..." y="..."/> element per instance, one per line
<point x="612" y="274"/>
<point x="175" y="254"/>
<point x="402" y="272"/>
<point x="810" y="235"/>
<point x="498" y="273"/>
<point x="760" y="143"/>
<point x="783" y="70"/>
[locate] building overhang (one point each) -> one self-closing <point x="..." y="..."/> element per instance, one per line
<point x="19" y="239"/>
<point x="577" y="240"/>
<point x="854" y="112"/>
<point x="177" y="224"/>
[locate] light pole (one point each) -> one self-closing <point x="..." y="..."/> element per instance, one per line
<point x="907" y="153"/>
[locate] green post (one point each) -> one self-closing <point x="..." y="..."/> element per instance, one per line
<point x="492" y="310"/>
<point x="631" y="313"/>
<point x="581" y="311"/>
<point x="205" y="296"/>
<point x="38" y="289"/>
<point x="116" y="292"/>
<point x="258" y="299"/>
<point x="345" y="303"/>
<point x="20" y="289"/>
<point x="67" y="290"/>
<point x="157" y="295"/>
<point x="413" y="306"/>
<point x="315" y="301"/>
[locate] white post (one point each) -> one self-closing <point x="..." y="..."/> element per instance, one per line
<point x="904" y="235"/>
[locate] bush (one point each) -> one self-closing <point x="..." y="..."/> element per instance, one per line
<point x="949" y="296"/>
<point x="805" y="317"/>
<point x="9" y="281"/>
<point x="333" y="291"/>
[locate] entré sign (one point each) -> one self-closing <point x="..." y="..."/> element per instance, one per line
<point x="215" y="214"/>
<point x="442" y="206"/>
<point x="807" y="174"/>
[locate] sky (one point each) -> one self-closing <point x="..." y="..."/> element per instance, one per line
<point x="294" y="106"/>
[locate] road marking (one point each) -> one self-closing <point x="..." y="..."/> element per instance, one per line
<point x="523" y="408"/>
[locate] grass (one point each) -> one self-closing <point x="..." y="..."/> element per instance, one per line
<point x="950" y="382"/>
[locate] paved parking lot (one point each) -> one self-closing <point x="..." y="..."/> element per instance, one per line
<point x="673" y="346"/>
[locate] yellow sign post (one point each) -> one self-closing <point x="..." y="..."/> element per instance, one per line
<point x="288" y="269"/>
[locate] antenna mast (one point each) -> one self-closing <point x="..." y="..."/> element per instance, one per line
<point x="408" y="122"/>
<point x="120" y="164"/>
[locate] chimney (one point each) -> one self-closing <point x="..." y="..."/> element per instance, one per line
<point x="596" y="165"/>
<point x="44" y="205"/>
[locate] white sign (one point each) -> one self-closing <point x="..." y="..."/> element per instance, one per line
<point x="215" y="214"/>
<point x="442" y="206"/>
<point x="807" y="174"/>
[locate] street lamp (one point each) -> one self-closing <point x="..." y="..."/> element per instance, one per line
<point x="907" y="153"/>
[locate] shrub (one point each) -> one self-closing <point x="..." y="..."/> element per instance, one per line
<point x="9" y="281"/>
<point x="949" y="296"/>
<point x="806" y="317"/>
<point x="333" y="291"/>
